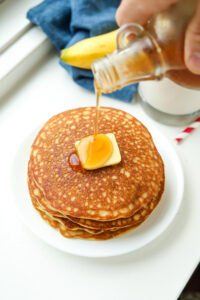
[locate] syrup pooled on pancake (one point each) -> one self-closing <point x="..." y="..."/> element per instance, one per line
<point x="75" y="163"/>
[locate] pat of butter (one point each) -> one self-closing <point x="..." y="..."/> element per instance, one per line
<point x="115" y="158"/>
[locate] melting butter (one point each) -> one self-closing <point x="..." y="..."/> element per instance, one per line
<point x="98" y="151"/>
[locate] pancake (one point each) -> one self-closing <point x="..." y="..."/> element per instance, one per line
<point x="67" y="224"/>
<point x="91" y="226"/>
<point x="83" y="234"/>
<point x="103" y="195"/>
<point x="138" y="217"/>
<point x="98" y="204"/>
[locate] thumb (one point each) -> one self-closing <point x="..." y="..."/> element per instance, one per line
<point x="192" y="43"/>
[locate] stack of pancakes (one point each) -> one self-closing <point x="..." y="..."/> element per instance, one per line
<point x="98" y="204"/>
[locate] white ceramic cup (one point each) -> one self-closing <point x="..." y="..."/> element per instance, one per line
<point x="169" y="102"/>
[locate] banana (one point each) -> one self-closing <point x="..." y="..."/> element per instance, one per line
<point x="83" y="53"/>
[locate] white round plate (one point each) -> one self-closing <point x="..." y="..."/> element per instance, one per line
<point x="155" y="224"/>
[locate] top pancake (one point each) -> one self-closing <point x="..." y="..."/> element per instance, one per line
<point x="104" y="194"/>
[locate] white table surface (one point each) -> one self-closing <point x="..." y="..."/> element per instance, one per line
<point x="30" y="269"/>
<point x="13" y="21"/>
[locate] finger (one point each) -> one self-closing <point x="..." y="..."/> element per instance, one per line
<point x="192" y="43"/>
<point x="132" y="11"/>
<point x="140" y="11"/>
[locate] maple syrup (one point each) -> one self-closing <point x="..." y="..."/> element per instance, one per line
<point x="98" y="95"/>
<point x="75" y="163"/>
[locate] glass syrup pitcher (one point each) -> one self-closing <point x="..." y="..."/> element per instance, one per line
<point x="149" y="53"/>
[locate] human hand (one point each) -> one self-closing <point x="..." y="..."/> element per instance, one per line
<point x="140" y="11"/>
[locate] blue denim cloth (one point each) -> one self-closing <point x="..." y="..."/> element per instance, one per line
<point x="68" y="21"/>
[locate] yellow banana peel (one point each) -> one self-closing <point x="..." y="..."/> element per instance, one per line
<point x="83" y="53"/>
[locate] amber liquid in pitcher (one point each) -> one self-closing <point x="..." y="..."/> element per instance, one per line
<point x="168" y="29"/>
<point x="173" y="54"/>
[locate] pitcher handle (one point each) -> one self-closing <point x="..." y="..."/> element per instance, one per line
<point x="127" y="33"/>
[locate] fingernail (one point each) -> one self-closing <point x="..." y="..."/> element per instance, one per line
<point x="194" y="62"/>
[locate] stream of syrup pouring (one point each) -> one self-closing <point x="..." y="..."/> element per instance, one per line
<point x="93" y="150"/>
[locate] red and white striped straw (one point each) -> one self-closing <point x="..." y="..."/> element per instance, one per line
<point x="180" y="137"/>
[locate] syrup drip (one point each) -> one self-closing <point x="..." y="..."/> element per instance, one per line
<point x="94" y="150"/>
<point x="98" y="95"/>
